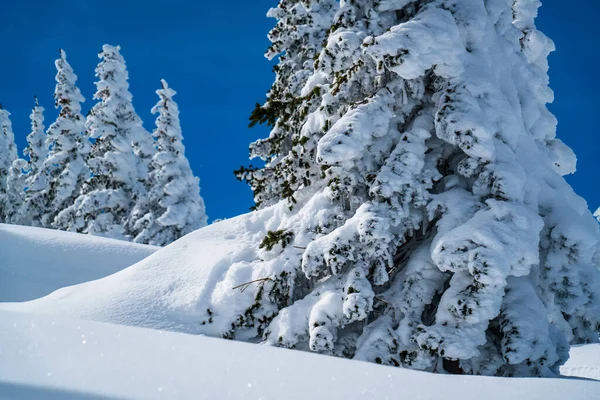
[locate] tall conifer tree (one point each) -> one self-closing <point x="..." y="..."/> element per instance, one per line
<point x="63" y="172"/>
<point x="429" y="224"/>
<point x="36" y="150"/>
<point x="119" y="158"/>
<point x="173" y="207"/>
<point x="29" y="211"/>
<point x="8" y="154"/>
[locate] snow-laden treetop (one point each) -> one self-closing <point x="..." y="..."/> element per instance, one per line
<point x="67" y="94"/>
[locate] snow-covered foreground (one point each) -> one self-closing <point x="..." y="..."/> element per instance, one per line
<point x="53" y="358"/>
<point x="169" y="289"/>
<point x="35" y="262"/>
<point x="46" y="356"/>
<point x="61" y="356"/>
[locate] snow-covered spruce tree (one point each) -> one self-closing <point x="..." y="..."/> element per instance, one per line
<point x="8" y="154"/>
<point x="429" y="225"/>
<point x="173" y="207"/>
<point x="118" y="159"/>
<point x="16" y="184"/>
<point x="63" y="172"/>
<point x="35" y="178"/>
<point x="36" y="150"/>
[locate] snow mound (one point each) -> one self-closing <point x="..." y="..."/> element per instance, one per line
<point x="35" y="262"/>
<point x="164" y="290"/>
<point x="48" y="358"/>
<point x="584" y="362"/>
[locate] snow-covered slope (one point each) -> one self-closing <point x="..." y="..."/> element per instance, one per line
<point x="35" y="262"/>
<point x="52" y="358"/>
<point x="168" y="290"/>
<point x="164" y="290"/>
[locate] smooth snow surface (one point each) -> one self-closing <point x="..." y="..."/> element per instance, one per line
<point x="584" y="362"/>
<point x="47" y="358"/>
<point x="35" y="262"/>
<point x="162" y="291"/>
<point x="169" y="290"/>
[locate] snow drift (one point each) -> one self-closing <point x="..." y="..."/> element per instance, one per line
<point x="35" y="262"/>
<point x="169" y="290"/>
<point x="53" y="358"/>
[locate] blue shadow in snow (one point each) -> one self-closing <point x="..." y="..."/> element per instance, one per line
<point x="14" y="391"/>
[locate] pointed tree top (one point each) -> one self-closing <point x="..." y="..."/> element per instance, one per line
<point x="37" y="109"/>
<point x="65" y="81"/>
<point x="166" y="93"/>
<point x="61" y="62"/>
<point x="109" y="49"/>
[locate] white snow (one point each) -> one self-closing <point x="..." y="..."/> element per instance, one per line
<point x="584" y="362"/>
<point x="423" y="219"/>
<point x="54" y="358"/>
<point x="165" y="290"/>
<point x="57" y="356"/>
<point x="35" y="262"/>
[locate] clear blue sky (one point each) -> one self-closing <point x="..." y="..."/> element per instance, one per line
<point x="211" y="52"/>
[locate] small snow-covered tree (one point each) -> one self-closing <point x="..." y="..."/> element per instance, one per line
<point x="35" y="178"/>
<point x="36" y="150"/>
<point x="422" y="217"/>
<point x="16" y="184"/>
<point x="8" y="154"/>
<point x="173" y="207"/>
<point x="63" y="172"/>
<point x="119" y="156"/>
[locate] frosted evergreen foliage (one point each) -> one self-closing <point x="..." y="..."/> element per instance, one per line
<point x="33" y="202"/>
<point x="299" y="34"/>
<point x="16" y="184"/>
<point x="119" y="156"/>
<point x="63" y="171"/>
<point x="417" y="210"/>
<point x="174" y="205"/>
<point x="8" y="154"/>
<point x="36" y="150"/>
